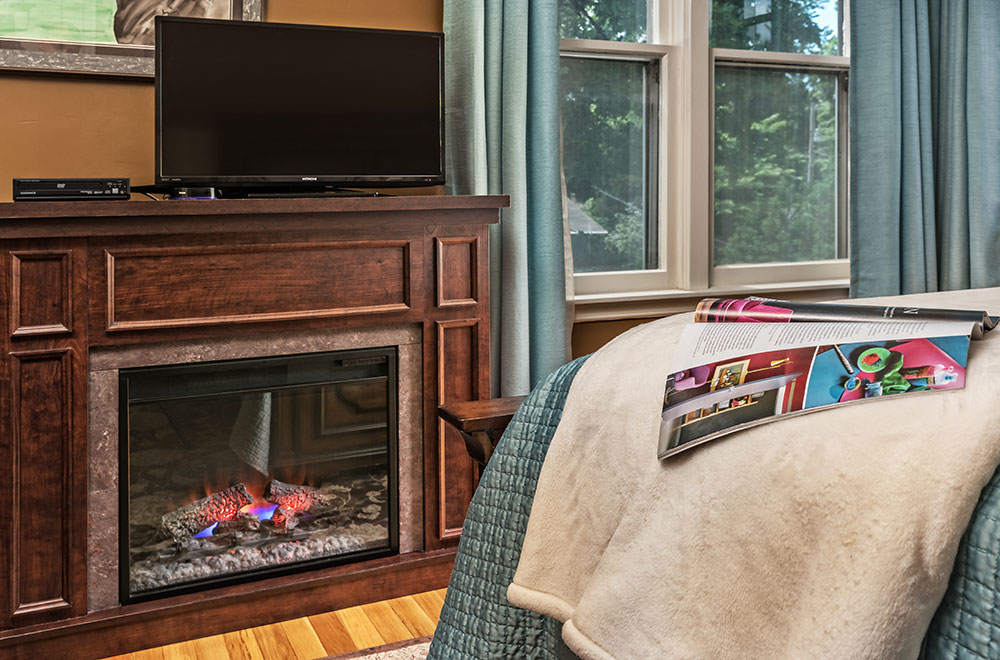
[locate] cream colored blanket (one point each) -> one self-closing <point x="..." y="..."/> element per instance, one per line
<point x="828" y="535"/>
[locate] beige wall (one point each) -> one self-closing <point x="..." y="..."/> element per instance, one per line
<point x="73" y="126"/>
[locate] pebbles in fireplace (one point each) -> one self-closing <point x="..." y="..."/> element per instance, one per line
<point x="244" y="469"/>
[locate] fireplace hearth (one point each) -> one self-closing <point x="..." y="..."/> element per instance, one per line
<point x="242" y="469"/>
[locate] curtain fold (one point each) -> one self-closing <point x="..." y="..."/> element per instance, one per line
<point x="502" y="136"/>
<point x="925" y="138"/>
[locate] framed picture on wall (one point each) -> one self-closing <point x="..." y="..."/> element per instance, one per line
<point x="729" y="375"/>
<point x="102" y="37"/>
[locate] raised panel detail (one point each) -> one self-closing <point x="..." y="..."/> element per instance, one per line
<point x="457" y="377"/>
<point x="41" y="449"/>
<point x="457" y="263"/>
<point x="179" y="287"/>
<point x="41" y="300"/>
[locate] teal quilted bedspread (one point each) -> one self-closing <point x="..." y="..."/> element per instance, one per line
<point x="477" y="623"/>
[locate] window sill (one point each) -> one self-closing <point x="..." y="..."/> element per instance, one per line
<point x="646" y="304"/>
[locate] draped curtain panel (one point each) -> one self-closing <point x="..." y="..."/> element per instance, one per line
<point x="502" y="137"/>
<point x="925" y="145"/>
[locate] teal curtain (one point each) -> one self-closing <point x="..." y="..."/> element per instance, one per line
<point x="502" y="136"/>
<point x="925" y="145"/>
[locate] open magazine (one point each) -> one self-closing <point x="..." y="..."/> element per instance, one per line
<point x="730" y="376"/>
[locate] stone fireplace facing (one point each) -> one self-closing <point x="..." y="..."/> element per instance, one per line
<point x="222" y="415"/>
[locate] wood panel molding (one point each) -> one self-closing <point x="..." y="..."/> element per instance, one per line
<point x="456" y="270"/>
<point x="176" y="287"/>
<point x="41" y="300"/>
<point x="458" y="380"/>
<point x="42" y="534"/>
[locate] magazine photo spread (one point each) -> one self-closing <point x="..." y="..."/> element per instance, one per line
<point x="757" y="365"/>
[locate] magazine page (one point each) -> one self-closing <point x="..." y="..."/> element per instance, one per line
<point x="767" y="310"/>
<point x="731" y="376"/>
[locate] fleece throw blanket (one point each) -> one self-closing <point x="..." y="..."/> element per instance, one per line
<point x="829" y="535"/>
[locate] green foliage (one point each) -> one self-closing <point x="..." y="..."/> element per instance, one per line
<point x="788" y="26"/>
<point x="608" y="20"/>
<point x="775" y="166"/>
<point x="604" y="151"/>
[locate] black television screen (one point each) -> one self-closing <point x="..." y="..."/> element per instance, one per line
<point x="246" y="104"/>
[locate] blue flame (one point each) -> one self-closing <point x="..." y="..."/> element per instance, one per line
<point x="206" y="532"/>
<point x="262" y="513"/>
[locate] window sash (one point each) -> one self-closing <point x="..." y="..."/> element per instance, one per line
<point x="656" y="55"/>
<point x="777" y="272"/>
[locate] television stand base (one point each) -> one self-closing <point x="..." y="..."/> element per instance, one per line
<point x="203" y="192"/>
<point x="325" y="192"/>
<point x="192" y="193"/>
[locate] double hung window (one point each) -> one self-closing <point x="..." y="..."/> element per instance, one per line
<point x="704" y="143"/>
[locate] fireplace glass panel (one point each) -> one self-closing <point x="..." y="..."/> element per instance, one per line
<point x="252" y="468"/>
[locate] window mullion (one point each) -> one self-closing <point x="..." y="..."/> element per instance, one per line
<point x="688" y="147"/>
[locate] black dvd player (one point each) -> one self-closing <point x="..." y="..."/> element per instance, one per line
<point x="69" y="190"/>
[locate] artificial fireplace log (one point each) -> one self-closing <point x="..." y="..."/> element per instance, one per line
<point x="283" y="519"/>
<point x="191" y="518"/>
<point x="297" y="498"/>
<point x="244" y="522"/>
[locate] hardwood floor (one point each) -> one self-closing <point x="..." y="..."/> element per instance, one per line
<point x="313" y="637"/>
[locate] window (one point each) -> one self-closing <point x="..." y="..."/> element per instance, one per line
<point x="704" y="143"/>
<point x="779" y="140"/>
<point x="610" y="106"/>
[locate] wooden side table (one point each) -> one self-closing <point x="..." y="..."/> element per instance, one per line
<point x="481" y="423"/>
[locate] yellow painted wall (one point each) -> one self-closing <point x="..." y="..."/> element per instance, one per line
<point x="389" y="14"/>
<point x="74" y="126"/>
<point x="590" y="336"/>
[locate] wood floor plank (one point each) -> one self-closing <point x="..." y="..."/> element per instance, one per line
<point x="359" y="627"/>
<point x="304" y="640"/>
<point x="413" y="616"/>
<point x="210" y="648"/>
<point x="242" y="645"/>
<point x="332" y="633"/>
<point x="386" y="622"/>
<point x="149" y="654"/>
<point x="180" y="651"/>
<point x="431" y="602"/>
<point x="273" y="642"/>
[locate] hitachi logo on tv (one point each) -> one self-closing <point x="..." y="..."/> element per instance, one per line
<point x="310" y="178"/>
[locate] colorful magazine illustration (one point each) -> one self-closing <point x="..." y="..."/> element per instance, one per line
<point x="730" y="376"/>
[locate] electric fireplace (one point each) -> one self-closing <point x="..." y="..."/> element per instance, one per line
<point x="241" y="469"/>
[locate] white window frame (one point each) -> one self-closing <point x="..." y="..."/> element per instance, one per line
<point x="678" y="35"/>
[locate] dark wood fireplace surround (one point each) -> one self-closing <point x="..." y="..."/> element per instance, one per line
<point x="77" y="276"/>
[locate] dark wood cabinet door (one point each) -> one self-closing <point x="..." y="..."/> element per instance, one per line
<point x="44" y="417"/>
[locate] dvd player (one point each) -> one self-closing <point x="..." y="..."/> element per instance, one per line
<point x="69" y="190"/>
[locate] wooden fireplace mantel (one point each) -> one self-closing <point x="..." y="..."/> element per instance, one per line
<point x="80" y="276"/>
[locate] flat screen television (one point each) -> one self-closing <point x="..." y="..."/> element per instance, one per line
<point x="253" y="105"/>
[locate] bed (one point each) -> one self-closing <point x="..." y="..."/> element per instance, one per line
<point x="477" y="621"/>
